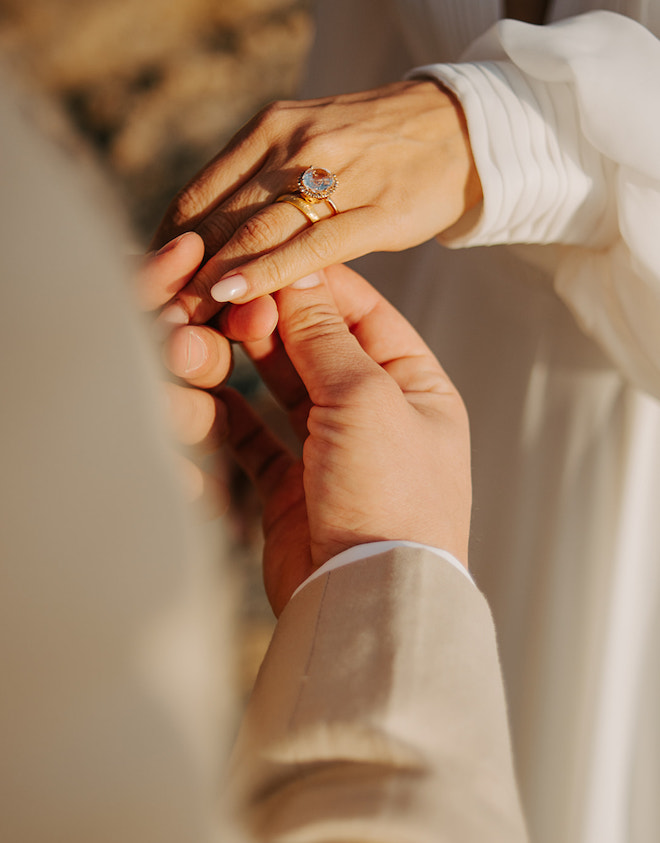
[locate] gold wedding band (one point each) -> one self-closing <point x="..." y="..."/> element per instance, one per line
<point x="299" y="202"/>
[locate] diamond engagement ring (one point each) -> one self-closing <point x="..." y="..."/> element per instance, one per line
<point x="317" y="184"/>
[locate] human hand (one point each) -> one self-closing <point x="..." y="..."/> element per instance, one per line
<point x="386" y="451"/>
<point x="406" y="173"/>
<point x="200" y="356"/>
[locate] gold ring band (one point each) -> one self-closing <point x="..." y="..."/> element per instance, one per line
<point x="332" y="205"/>
<point x="301" y="204"/>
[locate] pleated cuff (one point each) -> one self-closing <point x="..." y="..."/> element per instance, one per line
<point x="542" y="181"/>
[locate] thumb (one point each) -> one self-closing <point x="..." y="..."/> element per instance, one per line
<point x="318" y="342"/>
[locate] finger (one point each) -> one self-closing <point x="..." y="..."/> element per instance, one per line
<point x="257" y="449"/>
<point x="355" y="298"/>
<point x="327" y="357"/>
<point x="385" y="334"/>
<point x="249" y="322"/>
<point x="282" y="380"/>
<point x="231" y="168"/>
<point x="198" y="354"/>
<point x="222" y="224"/>
<point x="201" y="355"/>
<point x="204" y="490"/>
<point x="197" y="417"/>
<point x="166" y="272"/>
<point x="268" y="228"/>
<point x="338" y="238"/>
<point x="382" y="332"/>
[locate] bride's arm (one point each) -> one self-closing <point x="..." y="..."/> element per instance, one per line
<point x="564" y="127"/>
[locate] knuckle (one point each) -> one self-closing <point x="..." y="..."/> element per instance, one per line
<point x="272" y="268"/>
<point x="195" y="198"/>
<point x="217" y="229"/>
<point x="269" y="114"/>
<point x="316" y="323"/>
<point x="275" y="108"/>
<point x="258" y="233"/>
<point x="187" y="204"/>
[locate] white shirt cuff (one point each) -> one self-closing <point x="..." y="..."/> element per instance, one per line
<point x="364" y="551"/>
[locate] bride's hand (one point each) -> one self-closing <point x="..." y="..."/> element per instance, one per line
<point x="405" y="173"/>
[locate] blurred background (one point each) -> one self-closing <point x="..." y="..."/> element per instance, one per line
<point x="157" y="87"/>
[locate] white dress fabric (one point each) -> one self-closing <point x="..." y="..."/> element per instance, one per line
<point x="549" y="323"/>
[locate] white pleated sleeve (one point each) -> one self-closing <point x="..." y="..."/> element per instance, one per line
<point x="564" y="122"/>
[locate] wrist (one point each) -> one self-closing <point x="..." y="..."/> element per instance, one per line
<point x="454" y="145"/>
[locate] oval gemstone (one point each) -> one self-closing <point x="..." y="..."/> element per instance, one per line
<point x="316" y="181"/>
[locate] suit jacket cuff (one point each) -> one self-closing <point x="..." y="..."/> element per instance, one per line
<point x="364" y="551"/>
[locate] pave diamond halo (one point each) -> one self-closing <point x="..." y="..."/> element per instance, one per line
<point x="316" y="183"/>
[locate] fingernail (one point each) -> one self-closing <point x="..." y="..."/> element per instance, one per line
<point x="196" y="354"/>
<point x="174" y="315"/>
<point x="308" y="281"/>
<point x="229" y="288"/>
<point x="171" y="244"/>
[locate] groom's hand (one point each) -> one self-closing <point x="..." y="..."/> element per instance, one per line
<point x="200" y="356"/>
<point x="386" y="443"/>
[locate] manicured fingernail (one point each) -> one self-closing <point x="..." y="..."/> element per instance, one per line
<point x="308" y="281"/>
<point x="229" y="288"/>
<point x="174" y="315"/>
<point x="196" y="354"/>
<point x="171" y="244"/>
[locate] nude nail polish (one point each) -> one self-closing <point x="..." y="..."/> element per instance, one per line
<point x="230" y="288"/>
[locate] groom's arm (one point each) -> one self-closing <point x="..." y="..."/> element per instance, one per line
<point x="379" y="712"/>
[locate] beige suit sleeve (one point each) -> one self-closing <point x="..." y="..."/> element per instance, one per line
<point x="379" y="713"/>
